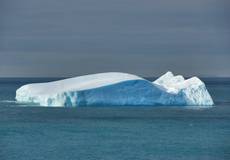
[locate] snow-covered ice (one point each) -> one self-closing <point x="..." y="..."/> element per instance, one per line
<point x="114" y="88"/>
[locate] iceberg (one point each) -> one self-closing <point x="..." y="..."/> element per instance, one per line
<point x="117" y="89"/>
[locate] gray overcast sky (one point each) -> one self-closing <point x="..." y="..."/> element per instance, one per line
<point x="144" y="37"/>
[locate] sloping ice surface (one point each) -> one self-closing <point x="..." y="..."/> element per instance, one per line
<point x="117" y="89"/>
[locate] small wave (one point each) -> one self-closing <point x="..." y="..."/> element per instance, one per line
<point x="222" y="103"/>
<point x="198" y="107"/>
<point x="16" y="103"/>
<point x="8" y="101"/>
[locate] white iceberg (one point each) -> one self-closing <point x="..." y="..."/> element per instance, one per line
<point x="114" y="88"/>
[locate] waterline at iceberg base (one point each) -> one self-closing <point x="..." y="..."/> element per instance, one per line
<point x="117" y="89"/>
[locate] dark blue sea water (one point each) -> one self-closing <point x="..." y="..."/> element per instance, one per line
<point x="115" y="133"/>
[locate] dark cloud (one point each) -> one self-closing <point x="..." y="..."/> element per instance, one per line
<point x="67" y="38"/>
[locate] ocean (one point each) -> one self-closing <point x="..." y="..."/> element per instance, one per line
<point x="114" y="133"/>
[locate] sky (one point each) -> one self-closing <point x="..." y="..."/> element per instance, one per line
<point x="57" y="38"/>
